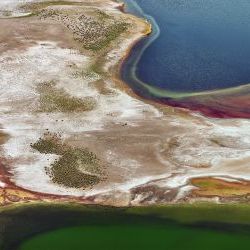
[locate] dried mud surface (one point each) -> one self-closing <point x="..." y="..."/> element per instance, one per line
<point x="58" y="76"/>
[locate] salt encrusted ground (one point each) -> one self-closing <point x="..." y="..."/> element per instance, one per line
<point x="150" y="152"/>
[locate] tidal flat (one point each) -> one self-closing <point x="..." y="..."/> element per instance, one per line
<point x="86" y="162"/>
<point x="75" y="134"/>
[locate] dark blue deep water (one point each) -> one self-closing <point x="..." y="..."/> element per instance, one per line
<point x="203" y="45"/>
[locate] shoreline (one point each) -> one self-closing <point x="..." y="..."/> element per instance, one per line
<point x="212" y="208"/>
<point x="116" y="72"/>
<point x="235" y="107"/>
<point x="143" y="143"/>
<point x="41" y="195"/>
<point x="226" y="219"/>
<point x="117" y="68"/>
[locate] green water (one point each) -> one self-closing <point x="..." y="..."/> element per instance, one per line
<point x="49" y="226"/>
<point x="133" y="237"/>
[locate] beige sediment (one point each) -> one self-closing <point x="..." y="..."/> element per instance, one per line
<point x="144" y="152"/>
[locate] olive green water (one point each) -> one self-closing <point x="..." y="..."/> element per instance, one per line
<point x="151" y="236"/>
<point x="49" y="226"/>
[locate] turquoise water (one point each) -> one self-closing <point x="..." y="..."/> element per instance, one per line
<point x="200" y="45"/>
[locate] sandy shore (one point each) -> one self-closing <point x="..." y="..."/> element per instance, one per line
<point x="151" y="154"/>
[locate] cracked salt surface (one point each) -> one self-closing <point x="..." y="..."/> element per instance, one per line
<point x="11" y="8"/>
<point x="46" y="62"/>
<point x="21" y="73"/>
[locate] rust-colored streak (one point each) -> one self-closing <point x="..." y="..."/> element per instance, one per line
<point x="11" y="193"/>
<point x="210" y="187"/>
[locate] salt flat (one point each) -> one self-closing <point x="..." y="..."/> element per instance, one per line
<point x="51" y="83"/>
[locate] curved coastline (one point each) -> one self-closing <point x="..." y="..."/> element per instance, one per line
<point x="116" y="55"/>
<point x="176" y="212"/>
<point x="230" y="102"/>
<point x="227" y="219"/>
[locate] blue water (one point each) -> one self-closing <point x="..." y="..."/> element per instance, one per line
<point x="203" y="45"/>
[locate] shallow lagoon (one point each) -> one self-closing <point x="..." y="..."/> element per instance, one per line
<point x="72" y="226"/>
<point x="136" y="236"/>
<point x="202" y="45"/>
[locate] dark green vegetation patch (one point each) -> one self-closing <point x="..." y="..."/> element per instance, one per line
<point x="37" y="6"/>
<point x="94" y="32"/>
<point x="75" y="167"/>
<point x="49" y="144"/>
<point x="109" y="34"/>
<point x="53" y="99"/>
